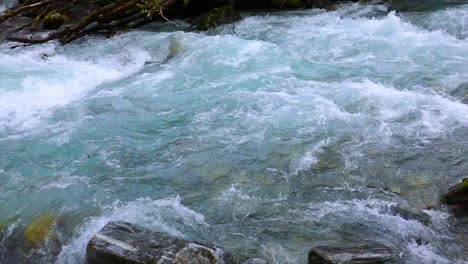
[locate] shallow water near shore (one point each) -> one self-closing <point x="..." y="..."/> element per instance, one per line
<point x="267" y="137"/>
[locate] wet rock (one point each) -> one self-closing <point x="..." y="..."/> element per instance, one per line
<point x="461" y="91"/>
<point x="125" y="243"/>
<point x="11" y="25"/>
<point x="39" y="229"/>
<point x="457" y="198"/>
<point x="53" y="20"/>
<point x="421" y="242"/>
<point x="175" y="48"/>
<point x="39" y="241"/>
<point x="329" y="159"/>
<point x="457" y="194"/>
<point x="2" y="228"/>
<point x="394" y="189"/>
<point x="365" y="253"/>
<point x="411" y="214"/>
<point x="218" y="16"/>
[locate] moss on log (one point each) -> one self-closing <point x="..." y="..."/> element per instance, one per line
<point x="53" y="20"/>
<point x="218" y="16"/>
<point x="69" y="20"/>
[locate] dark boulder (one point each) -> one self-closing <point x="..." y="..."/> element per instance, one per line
<point x="39" y="240"/>
<point x="218" y="16"/>
<point x="125" y="243"/>
<point x="457" y="198"/>
<point x="365" y="253"/>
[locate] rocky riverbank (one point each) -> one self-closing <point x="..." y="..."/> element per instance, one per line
<point x="126" y="243"/>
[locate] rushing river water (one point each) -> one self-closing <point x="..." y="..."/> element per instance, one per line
<point x="280" y="133"/>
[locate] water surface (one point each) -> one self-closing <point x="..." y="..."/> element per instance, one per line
<point x="266" y="137"/>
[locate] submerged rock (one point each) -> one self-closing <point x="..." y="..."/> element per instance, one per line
<point x="39" y="229"/>
<point x="38" y="241"/>
<point x="411" y="214"/>
<point x="175" y="47"/>
<point x="394" y="189"/>
<point x="465" y="97"/>
<point x="365" y="253"/>
<point x="218" y="16"/>
<point x="125" y="243"/>
<point x="457" y="198"/>
<point x="329" y="159"/>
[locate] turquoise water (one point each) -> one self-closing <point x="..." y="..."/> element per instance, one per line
<point x="267" y="137"/>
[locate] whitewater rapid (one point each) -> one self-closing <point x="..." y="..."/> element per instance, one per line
<point x="266" y="137"/>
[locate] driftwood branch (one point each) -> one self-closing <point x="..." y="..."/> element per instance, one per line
<point x="11" y="13"/>
<point x="105" y="20"/>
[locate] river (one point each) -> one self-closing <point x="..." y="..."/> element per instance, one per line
<point x="267" y="137"/>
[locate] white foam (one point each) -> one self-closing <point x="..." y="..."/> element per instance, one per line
<point x="371" y="210"/>
<point x="309" y="158"/>
<point x="238" y="204"/>
<point x="43" y="84"/>
<point x="65" y="182"/>
<point x="7" y="4"/>
<point x="437" y="112"/>
<point x="375" y="212"/>
<point x="426" y="254"/>
<point x="452" y="21"/>
<point x="158" y="215"/>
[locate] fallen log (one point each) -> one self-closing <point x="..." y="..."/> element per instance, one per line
<point x="70" y="20"/>
<point x="11" y="13"/>
<point x="107" y="18"/>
